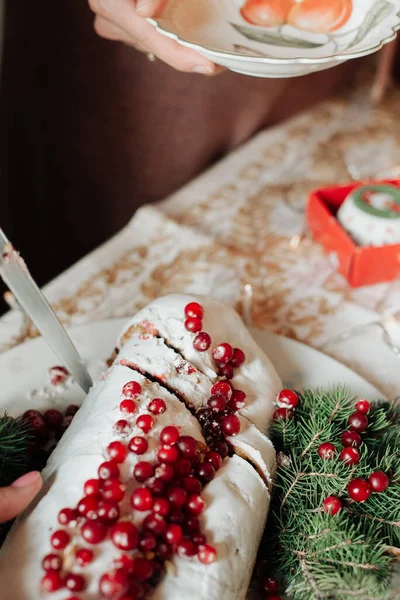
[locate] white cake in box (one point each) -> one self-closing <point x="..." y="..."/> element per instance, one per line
<point x="164" y="521"/>
<point x="371" y="215"/>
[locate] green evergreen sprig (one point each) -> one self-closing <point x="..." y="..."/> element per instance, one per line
<point x="14" y="442"/>
<point x="353" y="554"/>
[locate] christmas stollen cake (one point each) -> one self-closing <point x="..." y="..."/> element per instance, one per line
<point x="160" y="487"/>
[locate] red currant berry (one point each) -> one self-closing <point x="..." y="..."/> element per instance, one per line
<point x="194" y="310"/>
<point x="60" y="539"/>
<point x="230" y="425"/>
<point x="113" y="584"/>
<point x="222" y="448"/>
<point x="217" y="402"/>
<point x="358" y="421"/>
<point x="155" y="486"/>
<point x="53" y="418"/>
<point x="84" y="556"/>
<point x="350" y="456"/>
<point x="52" y="581"/>
<point x="117" y="452"/>
<point x="37" y="427"/>
<point x="122" y="427"/>
<point x="332" y="505"/>
<point x="143" y="470"/>
<point x="74" y="582"/>
<point x="127" y="406"/>
<point x="143" y="568"/>
<point x="238" y="400"/>
<point x="71" y="410"/>
<point x="138" y="445"/>
<point x="198" y="538"/>
<point x="164" y="551"/>
<point x="378" y="481"/>
<point x="283" y="414"/>
<point x="207" y="554"/>
<point x="124" y="535"/>
<point x="176" y="516"/>
<point x="186" y="548"/>
<point x="169" y="435"/>
<point x="113" y="489"/>
<point x="202" y="342"/>
<point x="67" y="516"/>
<point x="168" y="454"/>
<point x="87" y="507"/>
<point x="125" y="563"/>
<point x="226" y="371"/>
<point x="28" y="414"/>
<point x="270" y="585"/>
<point x="273" y="597"/>
<point x="192" y="525"/>
<point x="165" y="472"/>
<point x="132" y="389"/>
<point x="145" y="423"/>
<point x="359" y="490"/>
<point x="157" y="406"/>
<point x="223" y="353"/>
<point x="213" y="458"/>
<point x="58" y="375"/>
<point x="108" y="470"/>
<point x="92" y="487"/>
<point x="195" y="504"/>
<point x="142" y="499"/>
<point x="174" y="534"/>
<point x="93" y="532"/>
<point x="326" y="451"/>
<point x="155" y="523"/>
<point x="205" y="472"/>
<point x="147" y="542"/>
<point x="187" y="446"/>
<point x="287" y="399"/>
<point x="192" y="485"/>
<point x="183" y="467"/>
<point x="351" y="438"/>
<point x="193" y="325"/>
<point x="52" y="562"/>
<point x="363" y="406"/>
<point x="161" y="506"/>
<point x="177" y="496"/>
<point x="108" y="512"/>
<point x="224" y="388"/>
<point x="238" y="358"/>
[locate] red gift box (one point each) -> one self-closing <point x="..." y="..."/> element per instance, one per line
<point x="359" y="265"/>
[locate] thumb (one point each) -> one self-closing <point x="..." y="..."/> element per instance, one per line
<point x="15" y="498"/>
<point x="150" y="8"/>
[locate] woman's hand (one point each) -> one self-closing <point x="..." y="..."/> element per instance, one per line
<point x="125" y="20"/>
<point x="18" y="495"/>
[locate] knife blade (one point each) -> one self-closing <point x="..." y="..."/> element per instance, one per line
<point x="18" y="279"/>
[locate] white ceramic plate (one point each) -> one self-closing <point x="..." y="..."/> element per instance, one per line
<point x="280" y="38"/>
<point x="23" y="370"/>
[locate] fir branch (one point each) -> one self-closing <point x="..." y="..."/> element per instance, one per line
<point x="352" y="554"/>
<point x="14" y="442"/>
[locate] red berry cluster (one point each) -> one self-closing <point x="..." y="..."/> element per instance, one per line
<point x="46" y="429"/>
<point x="168" y="490"/>
<point x="226" y="358"/>
<point x="358" y="489"/>
<point x="194" y="313"/>
<point x="218" y="418"/>
<point x="286" y="402"/>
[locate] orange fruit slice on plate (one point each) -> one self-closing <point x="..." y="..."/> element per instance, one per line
<point x="266" y="13"/>
<point x="320" y="16"/>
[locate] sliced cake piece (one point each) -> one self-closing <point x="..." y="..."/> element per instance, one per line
<point x="165" y="317"/>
